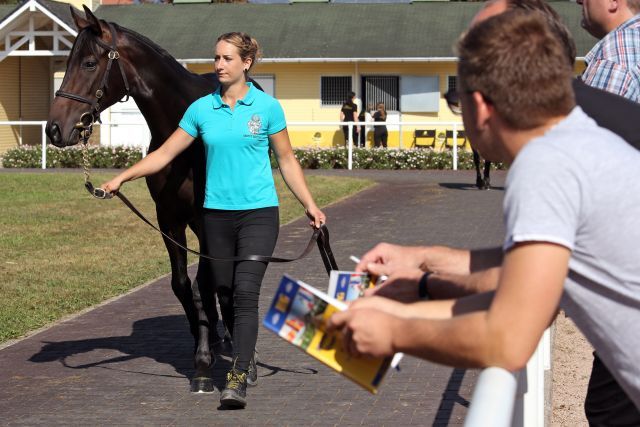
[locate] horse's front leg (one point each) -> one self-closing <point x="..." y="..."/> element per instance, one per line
<point x="476" y="163"/>
<point x="190" y="297"/>
<point x="487" y="171"/>
<point x="205" y="299"/>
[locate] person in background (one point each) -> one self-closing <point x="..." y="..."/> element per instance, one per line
<point x="613" y="64"/>
<point x="380" y="133"/>
<point x="349" y="113"/>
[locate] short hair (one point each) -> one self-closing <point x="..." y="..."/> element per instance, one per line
<point x="553" y="19"/>
<point x="248" y="47"/>
<point x="517" y="63"/>
<point x="634" y="6"/>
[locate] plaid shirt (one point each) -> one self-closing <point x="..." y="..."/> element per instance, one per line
<point x="613" y="64"/>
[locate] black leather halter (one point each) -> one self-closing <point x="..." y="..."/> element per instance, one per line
<point x="89" y="118"/>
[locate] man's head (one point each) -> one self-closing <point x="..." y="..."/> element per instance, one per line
<point x="496" y="7"/>
<point x="599" y="17"/>
<point x="514" y="73"/>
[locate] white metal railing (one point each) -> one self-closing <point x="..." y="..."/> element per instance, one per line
<point x="43" y="137"/>
<point x="505" y="399"/>
<point x="456" y="127"/>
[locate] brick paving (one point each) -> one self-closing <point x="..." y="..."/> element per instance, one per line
<point x="128" y="362"/>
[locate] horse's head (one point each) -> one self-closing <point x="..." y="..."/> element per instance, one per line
<point x="95" y="79"/>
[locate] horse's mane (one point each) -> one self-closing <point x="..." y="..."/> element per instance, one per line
<point x="146" y="41"/>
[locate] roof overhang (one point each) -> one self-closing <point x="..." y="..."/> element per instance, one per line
<point x="34" y="30"/>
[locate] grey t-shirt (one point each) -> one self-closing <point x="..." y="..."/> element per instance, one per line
<point x="579" y="186"/>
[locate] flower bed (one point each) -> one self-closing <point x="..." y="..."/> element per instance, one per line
<point x="309" y="158"/>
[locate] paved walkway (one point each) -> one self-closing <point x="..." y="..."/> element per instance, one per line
<point x="129" y="362"/>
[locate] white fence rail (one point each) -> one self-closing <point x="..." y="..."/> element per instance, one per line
<point x="107" y="140"/>
<point x="456" y="127"/>
<point x="505" y="399"/>
<point x="43" y="137"/>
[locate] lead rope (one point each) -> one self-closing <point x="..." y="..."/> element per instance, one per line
<point x="320" y="235"/>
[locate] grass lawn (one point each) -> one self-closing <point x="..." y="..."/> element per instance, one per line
<point x="62" y="251"/>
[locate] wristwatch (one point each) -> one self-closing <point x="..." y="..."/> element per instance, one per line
<point x="423" y="292"/>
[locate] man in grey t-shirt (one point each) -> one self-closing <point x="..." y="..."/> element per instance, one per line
<point x="572" y="213"/>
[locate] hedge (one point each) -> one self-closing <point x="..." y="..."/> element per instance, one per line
<point x="310" y="158"/>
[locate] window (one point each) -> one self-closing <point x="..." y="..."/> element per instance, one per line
<point x="419" y="94"/>
<point x="381" y="89"/>
<point x="334" y="90"/>
<point x="267" y="83"/>
<point x="452" y="83"/>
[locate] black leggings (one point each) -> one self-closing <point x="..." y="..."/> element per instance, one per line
<point x="238" y="233"/>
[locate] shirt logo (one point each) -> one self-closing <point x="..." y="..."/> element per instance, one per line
<point x="254" y="124"/>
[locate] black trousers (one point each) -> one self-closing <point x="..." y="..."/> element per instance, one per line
<point x="380" y="137"/>
<point x="237" y="284"/>
<point x="354" y="131"/>
<point x="606" y="403"/>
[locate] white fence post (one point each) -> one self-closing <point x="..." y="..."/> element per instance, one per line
<point x="455" y="147"/>
<point x="44" y="145"/>
<point x="350" y="161"/>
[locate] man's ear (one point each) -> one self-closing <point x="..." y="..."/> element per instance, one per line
<point x="614" y="5"/>
<point x="484" y="110"/>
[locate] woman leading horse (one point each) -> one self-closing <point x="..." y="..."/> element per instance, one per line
<point x="238" y="125"/>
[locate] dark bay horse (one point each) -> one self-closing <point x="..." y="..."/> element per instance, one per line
<point x="107" y="63"/>
<point x="483" y="181"/>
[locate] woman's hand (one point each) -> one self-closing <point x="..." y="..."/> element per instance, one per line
<point x="317" y="217"/>
<point x="112" y="186"/>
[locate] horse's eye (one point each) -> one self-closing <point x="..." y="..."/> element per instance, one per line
<point x="89" y="65"/>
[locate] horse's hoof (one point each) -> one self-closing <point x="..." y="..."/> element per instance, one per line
<point x="202" y="385"/>
<point x="223" y="347"/>
<point x="480" y="183"/>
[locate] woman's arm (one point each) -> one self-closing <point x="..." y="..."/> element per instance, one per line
<point x="154" y="162"/>
<point x="293" y="176"/>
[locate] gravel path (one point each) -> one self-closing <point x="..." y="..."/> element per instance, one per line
<point x="572" y="361"/>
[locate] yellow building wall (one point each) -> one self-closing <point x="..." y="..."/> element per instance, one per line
<point x="36" y="98"/>
<point x="9" y="107"/>
<point x="297" y="87"/>
<point x="78" y="3"/>
<point x="25" y="94"/>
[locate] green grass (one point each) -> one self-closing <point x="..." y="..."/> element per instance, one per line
<point x="62" y="251"/>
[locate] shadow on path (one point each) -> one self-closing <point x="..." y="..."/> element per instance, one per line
<point x="450" y="397"/>
<point x="465" y="186"/>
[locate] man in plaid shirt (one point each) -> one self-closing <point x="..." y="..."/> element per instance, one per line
<point x="613" y="64"/>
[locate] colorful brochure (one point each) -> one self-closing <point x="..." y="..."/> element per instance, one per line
<point x="349" y="285"/>
<point x="297" y="314"/>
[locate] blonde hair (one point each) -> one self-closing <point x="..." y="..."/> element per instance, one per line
<point x="247" y="46"/>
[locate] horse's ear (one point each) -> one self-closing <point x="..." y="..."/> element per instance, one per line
<point x="90" y="21"/>
<point x="94" y="22"/>
<point x="80" y="22"/>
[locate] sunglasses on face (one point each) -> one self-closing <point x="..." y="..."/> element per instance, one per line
<point x="453" y="101"/>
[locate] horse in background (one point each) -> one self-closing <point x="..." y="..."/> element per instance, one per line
<point x="108" y="62"/>
<point x="483" y="182"/>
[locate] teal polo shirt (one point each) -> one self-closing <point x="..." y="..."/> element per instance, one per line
<point x="236" y="144"/>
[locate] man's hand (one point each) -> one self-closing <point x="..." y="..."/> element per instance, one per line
<point x="401" y="284"/>
<point x="386" y="305"/>
<point x="392" y="256"/>
<point x="365" y="332"/>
